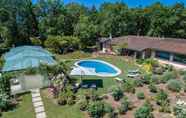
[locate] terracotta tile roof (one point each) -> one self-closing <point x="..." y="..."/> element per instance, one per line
<point x="140" y="43"/>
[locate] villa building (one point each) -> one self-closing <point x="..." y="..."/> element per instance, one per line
<point x="169" y="49"/>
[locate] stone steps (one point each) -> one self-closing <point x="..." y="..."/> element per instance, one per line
<point x="38" y="104"/>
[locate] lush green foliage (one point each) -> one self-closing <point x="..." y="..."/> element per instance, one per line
<point x="161" y="97"/>
<point x="117" y="93"/>
<point x="129" y="86"/>
<point x="152" y="88"/>
<point x="22" y="19"/>
<point x="143" y="112"/>
<point x="5" y="91"/>
<point x="147" y="79"/>
<point x="168" y="76"/>
<point x="125" y="105"/>
<point x="180" y="111"/>
<point x="174" y="85"/>
<point x="96" y="109"/>
<point x="140" y="95"/>
<point x="184" y="77"/>
<point x="61" y="44"/>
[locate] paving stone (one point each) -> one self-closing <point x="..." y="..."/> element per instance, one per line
<point x="34" y="90"/>
<point x="36" y="95"/>
<point x="37" y="99"/>
<point x="39" y="109"/>
<point x="37" y="104"/>
<point x="41" y="115"/>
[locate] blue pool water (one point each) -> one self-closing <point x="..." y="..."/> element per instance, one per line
<point x="99" y="66"/>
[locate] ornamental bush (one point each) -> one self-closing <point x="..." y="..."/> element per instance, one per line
<point x="138" y="82"/>
<point x="147" y="79"/>
<point x="180" y="111"/>
<point x="96" y="109"/>
<point x="161" y="97"/>
<point x="165" y="107"/>
<point x="109" y="110"/>
<point x="117" y="93"/>
<point x="174" y="85"/>
<point x="129" y="86"/>
<point x="168" y="76"/>
<point x="155" y="79"/>
<point x="83" y="105"/>
<point x="125" y="105"/>
<point x="140" y="95"/>
<point x="158" y="70"/>
<point x="152" y="88"/>
<point x="184" y="77"/>
<point x="143" y="112"/>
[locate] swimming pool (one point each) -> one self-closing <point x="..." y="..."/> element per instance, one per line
<point x="97" y="67"/>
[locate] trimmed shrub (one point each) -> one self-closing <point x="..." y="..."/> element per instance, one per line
<point x="184" y="87"/>
<point x="117" y="93"/>
<point x="70" y="101"/>
<point x="148" y="104"/>
<point x="152" y="88"/>
<point x="161" y="97"/>
<point x="182" y="72"/>
<point x="143" y="112"/>
<point x="96" y="109"/>
<point x="110" y="110"/>
<point x="138" y="82"/>
<point x="62" y="101"/>
<point x="184" y="77"/>
<point x="140" y="95"/>
<point x="158" y="70"/>
<point x="180" y="111"/>
<point x="165" y="107"/>
<point x="155" y="79"/>
<point x="168" y="76"/>
<point x="125" y="106"/>
<point x="83" y="105"/>
<point x="168" y="67"/>
<point x="129" y="86"/>
<point x="147" y="79"/>
<point x="174" y="85"/>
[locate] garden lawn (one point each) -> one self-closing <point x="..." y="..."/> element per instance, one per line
<point x="55" y="111"/>
<point x="23" y="110"/>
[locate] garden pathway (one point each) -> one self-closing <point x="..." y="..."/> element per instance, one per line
<point x="38" y="103"/>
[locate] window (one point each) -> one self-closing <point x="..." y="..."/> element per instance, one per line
<point x="180" y="58"/>
<point x="162" y="55"/>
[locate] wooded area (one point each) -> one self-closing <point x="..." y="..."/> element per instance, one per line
<point x="74" y="25"/>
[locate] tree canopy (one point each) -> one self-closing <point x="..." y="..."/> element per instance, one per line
<point x="21" y="20"/>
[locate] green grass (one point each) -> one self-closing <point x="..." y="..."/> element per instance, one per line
<point x="23" y="110"/>
<point x="55" y="111"/>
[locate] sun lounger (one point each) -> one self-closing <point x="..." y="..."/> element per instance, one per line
<point x="118" y="79"/>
